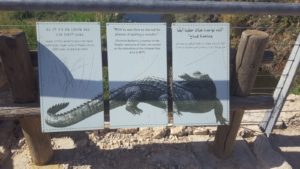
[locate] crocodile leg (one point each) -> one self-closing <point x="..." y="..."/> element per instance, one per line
<point x="218" y="112"/>
<point x="175" y="109"/>
<point x="163" y="99"/>
<point x="133" y="95"/>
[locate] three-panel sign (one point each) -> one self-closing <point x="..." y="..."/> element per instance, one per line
<point x="71" y="86"/>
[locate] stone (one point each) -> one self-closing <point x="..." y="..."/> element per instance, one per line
<point x="246" y="133"/>
<point x="159" y="132"/>
<point x="4" y="153"/>
<point x="211" y="130"/>
<point x="6" y="138"/>
<point x="200" y="131"/>
<point x="21" y="142"/>
<point x="128" y="130"/>
<point x="189" y="130"/>
<point x="178" y="131"/>
<point x="145" y="132"/>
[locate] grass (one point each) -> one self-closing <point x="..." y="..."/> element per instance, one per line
<point x="27" y="20"/>
<point x="296" y="90"/>
<point x="296" y="84"/>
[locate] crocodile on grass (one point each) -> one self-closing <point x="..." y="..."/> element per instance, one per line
<point x="195" y="94"/>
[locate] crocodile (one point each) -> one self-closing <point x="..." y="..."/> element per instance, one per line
<point x="194" y="94"/>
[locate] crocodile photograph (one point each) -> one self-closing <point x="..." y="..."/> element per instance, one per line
<point x="194" y="94"/>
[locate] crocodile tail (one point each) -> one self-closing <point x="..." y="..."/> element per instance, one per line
<point x="56" y="119"/>
<point x="56" y="108"/>
<point x="117" y="97"/>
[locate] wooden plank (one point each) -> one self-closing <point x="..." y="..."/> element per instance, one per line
<point x="248" y="59"/>
<point x="18" y="112"/>
<point x="19" y="71"/>
<point x="282" y="88"/>
<point x="251" y="102"/>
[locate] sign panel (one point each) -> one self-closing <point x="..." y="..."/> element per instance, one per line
<point x="200" y="73"/>
<point x="70" y="76"/>
<point x="137" y="73"/>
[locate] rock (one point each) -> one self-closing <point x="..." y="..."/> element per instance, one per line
<point x="246" y="133"/>
<point x="63" y="143"/>
<point x="21" y="142"/>
<point x="266" y="156"/>
<point x="280" y="125"/>
<point x="292" y="97"/>
<point x="4" y="153"/>
<point x="128" y="130"/>
<point x="211" y="131"/>
<point x="173" y="138"/>
<point x="6" y="139"/>
<point x="189" y="130"/>
<point x="159" y="132"/>
<point x="178" y="131"/>
<point x="145" y="132"/>
<point x="200" y="131"/>
<point x="294" y="121"/>
<point x="198" y="138"/>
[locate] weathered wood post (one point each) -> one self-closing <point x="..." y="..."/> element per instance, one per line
<point x="248" y="59"/>
<point x="3" y="79"/>
<point x="20" y="74"/>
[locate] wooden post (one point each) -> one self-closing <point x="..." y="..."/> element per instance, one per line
<point x="3" y="79"/>
<point x="17" y="65"/>
<point x="248" y="59"/>
<point x="39" y="144"/>
<point x="19" y="72"/>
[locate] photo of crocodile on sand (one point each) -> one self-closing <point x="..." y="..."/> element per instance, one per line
<point x="195" y="93"/>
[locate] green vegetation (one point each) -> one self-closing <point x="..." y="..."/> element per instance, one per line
<point x="296" y="90"/>
<point x="26" y="20"/>
<point x="283" y="30"/>
<point x="296" y="85"/>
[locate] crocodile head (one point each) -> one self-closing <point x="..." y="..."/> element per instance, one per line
<point x="201" y="85"/>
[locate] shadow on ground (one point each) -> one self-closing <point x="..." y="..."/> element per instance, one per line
<point x="289" y="146"/>
<point x="196" y="154"/>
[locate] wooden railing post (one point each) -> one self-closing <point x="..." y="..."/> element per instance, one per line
<point x="248" y="59"/>
<point x="20" y="74"/>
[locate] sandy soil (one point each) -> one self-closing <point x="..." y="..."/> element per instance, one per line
<point x="162" y="147"/>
